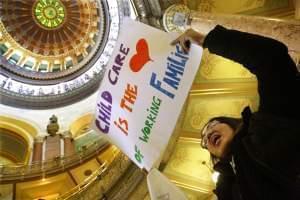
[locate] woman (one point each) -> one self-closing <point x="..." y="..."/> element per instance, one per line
<point x="258" y="156"/>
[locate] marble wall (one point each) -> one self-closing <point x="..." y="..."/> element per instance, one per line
<point x="286" y="31"/>
<point x="297" y="9"/>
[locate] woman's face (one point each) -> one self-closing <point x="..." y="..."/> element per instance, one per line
<point x="218" y="137"/>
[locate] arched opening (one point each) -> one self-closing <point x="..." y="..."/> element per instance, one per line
<point x="16" y="140"/>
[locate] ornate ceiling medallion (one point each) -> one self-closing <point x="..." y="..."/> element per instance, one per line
<point x="49" y="14"/>
<point x="49" y="67"/>
<point x="51" y="39"/>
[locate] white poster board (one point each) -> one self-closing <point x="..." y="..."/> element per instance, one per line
<point x="143" y="90"/>
<point x="161" y="188"/>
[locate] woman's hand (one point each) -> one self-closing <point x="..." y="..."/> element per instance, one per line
<point x="187" y="37"/>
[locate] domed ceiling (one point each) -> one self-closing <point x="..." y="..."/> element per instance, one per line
<point x="53" y="52"/>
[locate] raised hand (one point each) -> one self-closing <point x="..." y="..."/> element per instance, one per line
<point x="187" y="37"/>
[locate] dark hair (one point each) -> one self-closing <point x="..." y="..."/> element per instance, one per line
<point x="234" y="123"/>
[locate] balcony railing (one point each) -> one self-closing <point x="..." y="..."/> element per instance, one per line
<point x="42" y="169"/>
<point x="102" y="180"/>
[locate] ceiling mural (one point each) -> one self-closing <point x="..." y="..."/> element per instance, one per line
<point x="49" y="14"/>
<point x="52" y="36"/>
<point x="54" y="52"/>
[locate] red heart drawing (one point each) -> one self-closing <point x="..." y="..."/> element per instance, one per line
<point x="142" y="56"/>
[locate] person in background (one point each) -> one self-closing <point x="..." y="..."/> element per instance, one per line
<point x="258" y="156"/>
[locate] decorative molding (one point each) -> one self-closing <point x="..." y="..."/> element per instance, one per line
<point x="39" y="139"/>
<point x="126" y="184"/>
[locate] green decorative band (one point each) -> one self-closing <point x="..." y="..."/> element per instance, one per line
<point x="49" y="13"/>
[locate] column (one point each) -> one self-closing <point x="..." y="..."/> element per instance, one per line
<point x="53" y="147"/>
<point x="155" y="8"/>
<point x="37" y="149"/>
<point x="142" y="10"/>
<point x="21" y="61"/>
<point x="8" y="53"/>
<point x="69" y="147"/>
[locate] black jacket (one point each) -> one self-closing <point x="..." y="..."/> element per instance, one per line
<point x="265" y="161"/>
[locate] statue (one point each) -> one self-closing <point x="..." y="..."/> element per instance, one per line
<point x="52" y="127"/>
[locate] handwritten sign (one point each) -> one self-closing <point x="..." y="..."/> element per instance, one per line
<point x="143" y="90"/>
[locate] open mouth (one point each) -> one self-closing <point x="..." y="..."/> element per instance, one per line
<point x="215" y="139"/>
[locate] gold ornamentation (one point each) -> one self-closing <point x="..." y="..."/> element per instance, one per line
<point x="201" y="109"/>
<point x="49" y="13"/>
